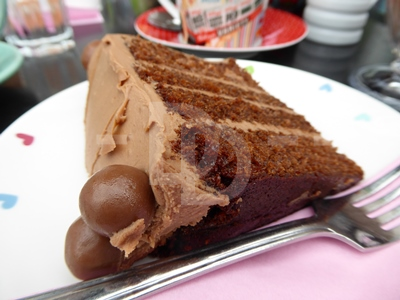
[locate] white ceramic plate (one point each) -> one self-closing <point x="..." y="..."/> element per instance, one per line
<point x="42" y="171"/>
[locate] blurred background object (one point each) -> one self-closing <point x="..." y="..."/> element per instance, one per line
<point x="14" y="100"/>
<point x="83" y="4"/>
<point x="40" y="30"/>
<point x="337" y="22"/>
<point x="120" y="15"/>
<point x="293" y="6"/>
<point x="47" y="75"/>
<point x="382" y="81"/>
<point x="216" y="24"/>
<point x="38" y="27"/>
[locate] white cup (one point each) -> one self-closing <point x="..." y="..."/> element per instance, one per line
<point x="337" y="22"/>
<point x="38" y="27"/>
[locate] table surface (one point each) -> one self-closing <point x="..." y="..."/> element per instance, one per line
<point x="39" y="78"/>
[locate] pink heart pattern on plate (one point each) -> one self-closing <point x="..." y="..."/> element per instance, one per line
<point x="26" y="138"/>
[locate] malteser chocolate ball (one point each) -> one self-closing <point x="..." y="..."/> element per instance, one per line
<point x="87" y="53"/>
<point x="115" y="197"/>
<point x="88" y="254"/>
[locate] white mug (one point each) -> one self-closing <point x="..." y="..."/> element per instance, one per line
<point x="337" y="22"/>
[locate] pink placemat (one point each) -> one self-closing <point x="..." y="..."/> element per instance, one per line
<point x="333" y="271"/>
<point x="82" y="16"/>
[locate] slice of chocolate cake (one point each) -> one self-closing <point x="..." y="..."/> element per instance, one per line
<point x="222" y="155"/>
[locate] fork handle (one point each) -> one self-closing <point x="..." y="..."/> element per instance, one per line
<point x="148" y="278"/>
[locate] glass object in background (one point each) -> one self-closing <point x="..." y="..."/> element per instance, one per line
<point x="383" y="81"/>
<point x="119" y="15"/>
<point x="38" y="27"/>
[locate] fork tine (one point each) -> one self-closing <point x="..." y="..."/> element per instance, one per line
<point x="396" y="233"/>
<point x="376" y="186"/>
<point x="389" y="216"/>
<point x="382" y="201"/>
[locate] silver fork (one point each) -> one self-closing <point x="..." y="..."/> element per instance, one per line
<point x="338" y="218"/>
